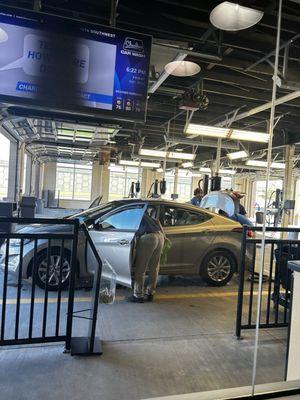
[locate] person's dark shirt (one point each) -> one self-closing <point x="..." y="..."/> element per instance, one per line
<point x="148" y="225"/>
<point x="242" y="210"/>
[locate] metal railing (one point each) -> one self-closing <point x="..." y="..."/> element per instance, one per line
<point x="276" y="287"/>
<point x="29" y="322"/>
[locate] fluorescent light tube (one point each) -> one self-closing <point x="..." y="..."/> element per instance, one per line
<point x="205" y="170"/>
<point x="249" y="136"/>
<point x="227" y="171"/>
<point x="144" y="164"/>
<point x="129" y="162"/>
<point x="227" y="133"/>
<point x="150" y="164"/>
<point x="181" y="156"/>
<point x="263" y="164"/>
<point x="205" y="130"/>
<point x="187" y="164"/>
<point x="152" y="153"/>
<point x="233" y="17"/>
<point x="237" y="154"/>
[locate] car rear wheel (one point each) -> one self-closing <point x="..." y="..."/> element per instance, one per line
<point x="218" y="268"/>
<point x="58" y="272"/>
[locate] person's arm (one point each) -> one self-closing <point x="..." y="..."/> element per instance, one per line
<point x="161" y="229"/>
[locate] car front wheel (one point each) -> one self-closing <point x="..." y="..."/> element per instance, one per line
<point x="218" y="268"/>
<point x="58" y="271"/>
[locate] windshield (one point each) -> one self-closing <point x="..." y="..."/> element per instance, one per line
<point x="96" y="212"/>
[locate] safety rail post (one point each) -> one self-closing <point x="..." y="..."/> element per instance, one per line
<point x="72" y="286"/>
<point x="90" y="345"/>
<point x="239" y="311"/>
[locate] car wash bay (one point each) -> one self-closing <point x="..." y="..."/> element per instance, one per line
<point x="126" y="106"/>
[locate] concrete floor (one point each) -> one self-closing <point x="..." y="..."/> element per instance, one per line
<point x="181" y="343"/>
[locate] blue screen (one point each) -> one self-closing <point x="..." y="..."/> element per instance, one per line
<point x="61" y="64"/>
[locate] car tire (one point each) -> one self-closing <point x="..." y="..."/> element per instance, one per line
<point x="54" y="270"/>
<point x="218" y="268"/>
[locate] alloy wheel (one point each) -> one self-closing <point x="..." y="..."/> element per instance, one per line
<point x="219" y="268"/>
<point x="54" y="273"/>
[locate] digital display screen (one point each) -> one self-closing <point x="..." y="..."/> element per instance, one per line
<point x="73" y="66"/>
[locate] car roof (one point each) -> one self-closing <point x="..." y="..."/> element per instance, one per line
<point x="169" y="203"/>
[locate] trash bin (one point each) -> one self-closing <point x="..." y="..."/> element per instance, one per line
<point x="107" y="284"/>
<point x="27" y="207"/>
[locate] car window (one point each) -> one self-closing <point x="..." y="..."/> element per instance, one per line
<point x="177" y="216"/>
<point x="128" y="219"/>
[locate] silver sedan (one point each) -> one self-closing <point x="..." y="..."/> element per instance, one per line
<point x="203" y="243"/>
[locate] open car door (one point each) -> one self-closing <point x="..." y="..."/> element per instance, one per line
<point x="114" y="237"/>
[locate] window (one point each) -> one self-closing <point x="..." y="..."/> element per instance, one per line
<point x="125" y="219"/>
<point x="120" y="182"/>
<point x="175" y="216"/>
<point x="226" y="183"/>
<point x="4" y="164"/>
<point x="184" y="187"/>
<point x="73" y="181"/>
<point x="260" y="193"/>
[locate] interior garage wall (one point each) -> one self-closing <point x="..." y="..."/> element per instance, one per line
<point x="100" y="182"/>
<point x="100" y="185"/>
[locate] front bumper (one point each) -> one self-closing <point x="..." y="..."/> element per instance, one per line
<point x="13" y="262"/>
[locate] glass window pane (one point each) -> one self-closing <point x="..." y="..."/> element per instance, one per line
<point x="65" y="181"/>
<point x="4" y="165"/>
<point x="82" y="183"/>
<point x="126" y="219"/>
<point x="73" y="182"/>
<point x="175" y="216"/>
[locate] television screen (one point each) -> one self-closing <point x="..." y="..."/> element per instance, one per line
<point x="54" y="63"/>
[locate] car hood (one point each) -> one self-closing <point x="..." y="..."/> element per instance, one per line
<point x="38" y="228"/>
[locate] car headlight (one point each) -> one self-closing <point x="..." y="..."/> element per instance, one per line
<point x="13" y="263"/>
<point x="17" y="242"/>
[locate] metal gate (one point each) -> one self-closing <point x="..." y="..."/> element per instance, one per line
<point x="276" y="280"/>
<point x="25" y="317"/>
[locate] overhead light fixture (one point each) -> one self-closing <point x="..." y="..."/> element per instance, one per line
<point x="144" y="164"/>
<point x="237" y="154"/>
<point x="227" y="171"/>
<point x="249" y="136"/>
<point x="205" y="170"/>
<point x="3" y="36"/>
<point x="229" y="16"/>
<point x="182" y="68"/>
<point x="166" y="154"/>
<point x="227" y="133"/>
<point x="129" y="162"/>
<point x="159" y="170"/>
<point x="187" y="164"/>
<point x="152" y="153"/>
<point x="264" y="164"/>
<point x="181" y="156"/>
<point x="150" y="164"/>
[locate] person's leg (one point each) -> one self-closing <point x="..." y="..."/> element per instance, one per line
<point x="144" y="251"/>
<point x="154" y="264"/>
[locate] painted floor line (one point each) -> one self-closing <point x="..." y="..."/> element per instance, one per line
<point x="40" y="300"/>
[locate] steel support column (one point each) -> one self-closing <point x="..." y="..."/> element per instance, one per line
<point x="288" y="181"/>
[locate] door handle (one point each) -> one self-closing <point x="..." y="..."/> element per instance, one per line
<point x="123" y="242"/>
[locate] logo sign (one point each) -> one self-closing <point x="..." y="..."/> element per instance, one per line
<point x="134" y="45"/>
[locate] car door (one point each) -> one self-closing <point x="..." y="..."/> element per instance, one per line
<point x="190" y="232"/>
<point x="114" y="237"/>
